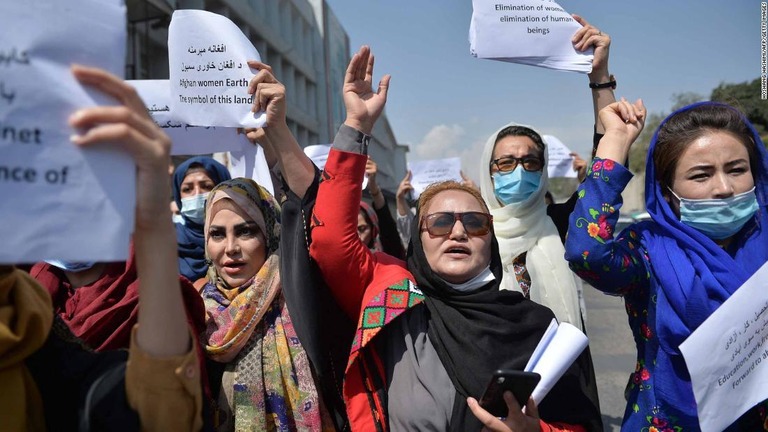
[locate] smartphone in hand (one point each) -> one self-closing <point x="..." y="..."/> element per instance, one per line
<point x="520" y="383"/>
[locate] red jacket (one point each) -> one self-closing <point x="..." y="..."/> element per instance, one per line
<point x="371" y="288"/>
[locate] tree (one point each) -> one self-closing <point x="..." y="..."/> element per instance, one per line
<point x="746" y="97"/>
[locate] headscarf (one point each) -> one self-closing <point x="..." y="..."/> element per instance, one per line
<point x="25" y="320"/>
<point x="477" y="332"/>
<point x="103" y="312"/>
<point x="525" y="227"/>
<point x="373" y="221"/>
<point x="269" y="384"/>
<point x="695" y="275"/>
<point x="189" y="235"/>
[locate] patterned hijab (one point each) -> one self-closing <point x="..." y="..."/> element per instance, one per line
<point x="267" y="383"/>
<point x="694" y="274"/>
<point x="189" y="235"/>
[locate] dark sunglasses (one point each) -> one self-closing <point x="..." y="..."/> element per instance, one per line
<point x="441" y="223"/>
<point x="509" y="163"/>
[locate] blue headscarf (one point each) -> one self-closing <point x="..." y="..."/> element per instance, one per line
<point x="189" y="235"/>
<point x="695" y="275"/>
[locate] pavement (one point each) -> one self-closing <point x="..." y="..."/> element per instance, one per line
<point x="613" y="352"/>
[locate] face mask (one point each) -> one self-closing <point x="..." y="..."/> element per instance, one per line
<point x="718" y="218"/>
<point x="71" y="266"/>
<point x="193" y="208"/>
<point x="515" y="186"/>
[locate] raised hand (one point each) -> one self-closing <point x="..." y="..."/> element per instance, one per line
<point x="364" y="106"/>
<point x="129" y="125"/>
<point x="268" y="94"/>
<point x="623" y="123"/>
<point x="590" y="36"/>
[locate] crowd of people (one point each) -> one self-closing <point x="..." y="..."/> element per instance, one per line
<point x="311" y="309"/>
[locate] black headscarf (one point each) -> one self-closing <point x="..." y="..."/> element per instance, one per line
<point x="477" y="332"/>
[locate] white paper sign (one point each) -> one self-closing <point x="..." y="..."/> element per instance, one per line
<point x="59" y="202"/>
<point x="209" y="74"/>
<point x="187" y="139"/>
<point x="319" y="155"/>
<point x="250" y="162"/>
<point x="427" y="172"/>
<point x="560" y="346"/>
<point x="727" y="356"/>
<point x="533" y="32"/>
<point x="559" y="159"/>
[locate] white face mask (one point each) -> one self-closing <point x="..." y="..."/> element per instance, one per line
<point x="193" y="208"/>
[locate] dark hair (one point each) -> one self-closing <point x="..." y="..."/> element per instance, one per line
<point x="521" y="131"/>
<point x="681" y="129"/>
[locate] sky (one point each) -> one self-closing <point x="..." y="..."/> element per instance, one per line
<point x="443" y="102"/>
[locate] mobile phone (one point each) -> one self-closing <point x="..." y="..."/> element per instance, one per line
<point x="520" y="383"/>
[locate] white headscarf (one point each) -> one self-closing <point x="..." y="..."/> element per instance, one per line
<point x="525" y="227"/>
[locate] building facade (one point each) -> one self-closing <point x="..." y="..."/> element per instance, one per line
<point x="306" y="46"/>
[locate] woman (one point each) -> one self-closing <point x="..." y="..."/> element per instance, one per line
<point x="47" y="378"/>
<point x="260" y="374"/>
<point x="192" y="181"/>
<point x="530" y="232"/>
<point x="430" y="335"/>
<point x="375" y="225"/>
<point x="676" y="269"/>
<point x="99" y="302"/>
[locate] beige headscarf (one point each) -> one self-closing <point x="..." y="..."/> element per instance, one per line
<point x="525" y="227"/>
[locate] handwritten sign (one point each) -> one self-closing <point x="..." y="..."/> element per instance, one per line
<point x="59" y="202"/>
<point x="727" y="356"/>
<point x="559" y="159"/>
<point x="187" y="139"/>
<point x="427" y="172"/>
<point x="533" y="32"/>
<point x="209" y="74"/>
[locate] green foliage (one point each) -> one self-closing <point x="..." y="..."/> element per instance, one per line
<point x="746" y="97"/>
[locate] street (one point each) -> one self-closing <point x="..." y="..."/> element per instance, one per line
<point x="613" y="352"/>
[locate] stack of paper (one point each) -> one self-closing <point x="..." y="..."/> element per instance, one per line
<point x="557" y="350"/>
<point x="532" y="32"/>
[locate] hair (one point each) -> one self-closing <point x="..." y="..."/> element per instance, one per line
<point x="196" y="166"/>
<point x="681" y="129"/>
<point x="523" y="132"/>
<point x="435" y="188"/>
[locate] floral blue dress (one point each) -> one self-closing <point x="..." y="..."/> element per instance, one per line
<point x="621" y="266"/>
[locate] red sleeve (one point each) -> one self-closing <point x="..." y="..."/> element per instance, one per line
<point x="560" y="427"/>
<point x="345" y="263"/>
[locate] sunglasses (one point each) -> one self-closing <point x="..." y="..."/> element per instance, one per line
<point x="509" y="163"/>
<point x="441" y="223"/>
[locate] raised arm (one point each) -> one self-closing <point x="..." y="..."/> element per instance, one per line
<point x="615" y="266"/>
<point x="587" y="37"/>
<point x="269" y="95"/>
<point x="162" y="345"/>
<point x="346" y="264"/>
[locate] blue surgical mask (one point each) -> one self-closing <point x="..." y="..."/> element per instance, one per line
<point x="515" y="186"/>
<point x="177" y="219"/>
<point x="717" y="218"/>
<point x="193" y="208"/>
<point x="71" y="266"/>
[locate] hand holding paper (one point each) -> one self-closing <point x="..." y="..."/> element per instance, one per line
<point x="560" y="346"/>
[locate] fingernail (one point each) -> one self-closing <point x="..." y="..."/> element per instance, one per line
<point x="75" y="138"/>
<point x="76" y="116"/>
